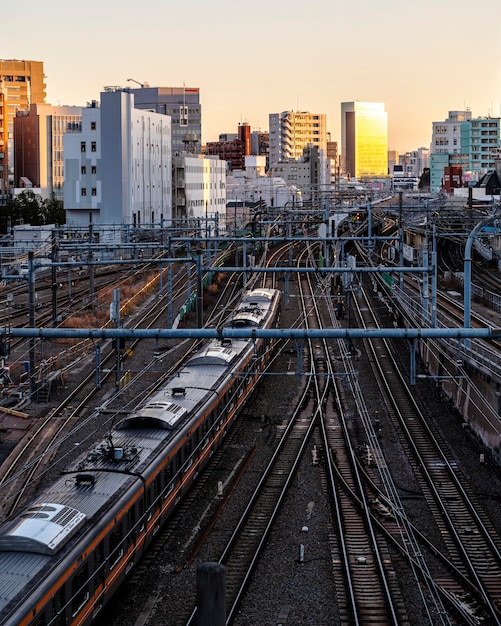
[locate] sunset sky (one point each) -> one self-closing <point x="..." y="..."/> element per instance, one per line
<point x="251" y="59"/>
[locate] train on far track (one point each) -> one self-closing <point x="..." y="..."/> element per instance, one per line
<point x="66" y="554"/>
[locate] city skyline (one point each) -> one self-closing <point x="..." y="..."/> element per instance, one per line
<point x="250" y="61"/>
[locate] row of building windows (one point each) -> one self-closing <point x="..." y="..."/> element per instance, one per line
<point x="195" y="203"/>
<point x="93" y="191"/>
<point x="83" y="170"/>
<point x="214" y="184"/>
<point x="444" y="129"/>
<point x="83" y="146"/>
<point x="485" y="124"/>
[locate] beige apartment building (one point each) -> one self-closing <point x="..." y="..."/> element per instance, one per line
<point x="291" y="132"/>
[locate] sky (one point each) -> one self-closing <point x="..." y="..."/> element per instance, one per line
<point x="250" y="59"/>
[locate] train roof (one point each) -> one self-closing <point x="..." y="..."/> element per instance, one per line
<point x="254" y="308"/>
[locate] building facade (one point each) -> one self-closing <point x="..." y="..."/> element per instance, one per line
<point x="38" y="146"/>
<point x="4" y="140"/>
<point x="21" y="84"/>
<point x="481" y="140"/>
<point x="466" y="142"/>
<point x="183" y="106"/>
<point x="260" y="144"/>
<point x="364" y="139"/>
<point x="232" y="149"/>
<point x="415" y="162"/>
<point x="118" y="166"/>
<point x="311" y="174"/>
<point x="446" y="135"/>
<point x="291" y="132"/>
<point x="199" y="189"/>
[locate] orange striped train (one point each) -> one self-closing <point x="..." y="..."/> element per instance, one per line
<point x="63" y="557"/>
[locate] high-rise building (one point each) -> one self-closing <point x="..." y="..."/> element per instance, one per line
<point x="465" y="142"/>
<point x="38" y="145"/>
<point x="364" y="139"/>
<point x="480" y="140"/>
<point x="4" y="139"/>
<point x="118" y="167"/>
<point x="183" y="105"/>
<point x="446" y="135"/>
<point x="22" y="84"/>
<point x="292" y="132"/>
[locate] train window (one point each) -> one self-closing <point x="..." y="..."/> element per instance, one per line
<point x="168" y="473"/>
<point x="158" y="486"/>
<point x="188" y="454"/>
<point x="203" y="429"/>
<point x="40" y="621"/>
<point x="132" y="523"/>
<point x="141" y="514"/>
<point x="79" y="589"/>
<point x="149" y="513"/>
<point x="116" y="545"/>
<point x="57" y="607"/>
<point x="99" y="563"/>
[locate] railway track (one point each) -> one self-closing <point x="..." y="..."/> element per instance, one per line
<point x="36" y="454"/>
<point x="471" y="542"/>
<point x="365" y="582"/>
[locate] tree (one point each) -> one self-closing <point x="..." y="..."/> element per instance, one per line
<point x="424" y="181"/>
<point x="54" y="212"/>
<point x="29" y="208"/>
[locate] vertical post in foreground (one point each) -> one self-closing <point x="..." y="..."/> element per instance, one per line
<point x="211" y="594"/>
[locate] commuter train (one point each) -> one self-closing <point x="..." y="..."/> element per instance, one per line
<point x="63" y="557"/>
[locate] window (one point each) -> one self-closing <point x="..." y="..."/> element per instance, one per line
<point x="84" y="191"/>
<point x="93" y="169"/>
<point x="93" y="146"/>
<point x="79" y="590"/>
<point x="58" y="606"/>
<point x="93" y="125"/>
<point x="82" y="146"/>
<point x="83" y="170"/>
<point x="94" y="191"/>
<point x="116" y="546"/>
<point x="183" y="116"/>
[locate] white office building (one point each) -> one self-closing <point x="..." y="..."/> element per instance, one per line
<point x="199" y="189"/>
<point x="118" y="165"/>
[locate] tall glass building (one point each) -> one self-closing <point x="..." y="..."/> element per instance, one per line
<point x="364" y="139"/>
